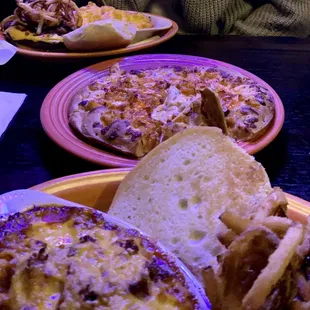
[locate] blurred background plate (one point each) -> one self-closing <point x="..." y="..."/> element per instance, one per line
<point x="165" y="30"/>
<point x="97" y="189"/>
<point x="54" y="111"/>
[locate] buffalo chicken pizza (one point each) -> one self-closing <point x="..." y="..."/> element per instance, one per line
<point x="133" y="111"/>
<point x="56" y="257"/>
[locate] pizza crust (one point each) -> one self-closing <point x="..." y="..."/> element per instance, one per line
<point x="119" y="135"/>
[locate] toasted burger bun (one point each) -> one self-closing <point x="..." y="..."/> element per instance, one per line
<point x="25" y="37"/>
<point x="178" y="191"/>
<point x="100" y="35"/>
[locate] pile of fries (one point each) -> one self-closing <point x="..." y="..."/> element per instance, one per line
<point x="266" y="265"/>
<point x="61" y="15"/>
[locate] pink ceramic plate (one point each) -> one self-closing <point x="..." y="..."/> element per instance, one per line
<point x="54" y="111"/>
<point x="159" y="38"/>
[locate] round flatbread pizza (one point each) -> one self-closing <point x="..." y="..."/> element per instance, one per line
<point x="133" y="111"/>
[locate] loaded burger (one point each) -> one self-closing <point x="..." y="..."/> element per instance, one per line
<point x="41" y="23"/>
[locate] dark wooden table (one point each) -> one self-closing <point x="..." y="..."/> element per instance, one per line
<point x="28" y="157"/>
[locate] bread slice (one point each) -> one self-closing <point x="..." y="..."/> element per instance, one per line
<point x="177" y="192"/>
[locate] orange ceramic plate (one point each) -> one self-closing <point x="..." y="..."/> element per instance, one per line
<point x="97" y="189"/>
<point x="54" y="111"/>
<point x="158" y="38"/>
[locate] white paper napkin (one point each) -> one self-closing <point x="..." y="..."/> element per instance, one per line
<point x="9" y="105"/>
<point x="7" y="51"/>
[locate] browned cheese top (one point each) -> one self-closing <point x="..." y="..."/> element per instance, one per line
<point x="135" y="110"/>
<point x="54" y="257"/>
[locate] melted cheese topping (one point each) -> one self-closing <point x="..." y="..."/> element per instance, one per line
<point x="160" y="102"/>
<point x="176" y="103"/>
<point x="19" y="35"/>
<point x="69" y="258"/>
<point x="92" y="13"/>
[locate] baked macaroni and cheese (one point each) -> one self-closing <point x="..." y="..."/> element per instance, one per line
<point x="54" y="257"/>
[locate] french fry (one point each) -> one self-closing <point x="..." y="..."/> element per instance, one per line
<point x="304" y="248"/>
<point x="212" y="287"/>
<point x="235" y="222"/>
<point x="274" y="204"/>
<point x="277" y="224"/>
<point x="299" y="305"/>
<point x="226" y="238"/>
<point x="271" y="274"/>
<point x="303" y="288"/>
<point x="243" y="261"/>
